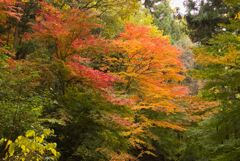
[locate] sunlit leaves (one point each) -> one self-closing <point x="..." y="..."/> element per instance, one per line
<point x="32" y="146"/>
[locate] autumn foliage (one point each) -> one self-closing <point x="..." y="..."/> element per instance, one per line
<point x="69" y="29"/>
<point x="99" y="79"/>
<point x="153" y="67"/>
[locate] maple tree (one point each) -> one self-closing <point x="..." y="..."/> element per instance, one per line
<point x="71" y="32"/>
<point x="153" y="68"/>
<point x="150" y="70"/>
<point x="63" y="27"/>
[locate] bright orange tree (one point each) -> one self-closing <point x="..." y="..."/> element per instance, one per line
<point x="152" y="72"/>
<point x="153" y="68"/>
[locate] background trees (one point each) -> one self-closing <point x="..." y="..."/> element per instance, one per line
<point x="216" y="138"/>
<point x="205" y="18"/>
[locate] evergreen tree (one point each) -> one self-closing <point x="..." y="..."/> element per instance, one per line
<point x="204" y="18"/>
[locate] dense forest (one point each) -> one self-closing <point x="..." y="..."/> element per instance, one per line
<point x="119" y="80"/>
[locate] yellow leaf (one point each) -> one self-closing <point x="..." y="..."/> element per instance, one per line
<point x="54" y="152"/>
<point x="30" y="133"/>
<point x="8" y="143"/>
<point x="47" y="132"/>
<point x="11" y="150"/>
<point x="23" y="147"/>
<point x="39" y="139"/>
